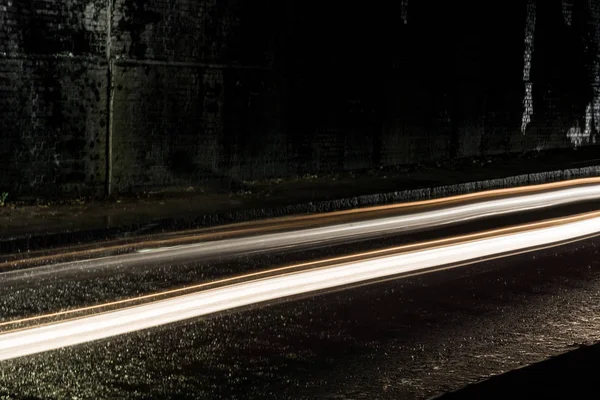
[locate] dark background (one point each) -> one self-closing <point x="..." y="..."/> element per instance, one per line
<point x="190" y="91"/>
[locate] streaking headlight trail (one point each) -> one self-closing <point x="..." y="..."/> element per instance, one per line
<point x="328" y="234"/>
<point x="89" y="328"/>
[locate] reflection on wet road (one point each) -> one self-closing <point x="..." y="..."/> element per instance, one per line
<point x="411" y="337"/>
<point x="334" y="273"/>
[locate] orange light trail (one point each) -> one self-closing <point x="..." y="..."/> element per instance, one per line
<point x="286" y="283"/>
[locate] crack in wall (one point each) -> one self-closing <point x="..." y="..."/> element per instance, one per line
<point x="109" y="100"/>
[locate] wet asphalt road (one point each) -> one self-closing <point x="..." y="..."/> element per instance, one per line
<point x="412" y="337"/>
<point x="406" y="338"/>
<point x="31" y="292"/>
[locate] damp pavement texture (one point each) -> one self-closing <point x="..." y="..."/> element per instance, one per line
<point x="411" y="338"/>
<point x="570" y="375"/>
<point x="29" y="224"/>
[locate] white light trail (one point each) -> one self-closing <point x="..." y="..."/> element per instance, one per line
<point x="392" y="224"/>
<point x="337" y="232"/>
<point x="44" y="338"/>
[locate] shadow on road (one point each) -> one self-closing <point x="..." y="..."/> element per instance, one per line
<point x="566" y="376"/>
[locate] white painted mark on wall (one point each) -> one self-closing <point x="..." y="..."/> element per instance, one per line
<point x="596" y="100"/>
<point x="594" y="8"/>
<point x="592" y="111"/>
<point x="89" y="17"/>
<point x="589" y="118"/>
<point x="577" y="137"/>
<point x="529" y="43"/>
<point x="567" y="9"/>
<point x="404" y="11"/>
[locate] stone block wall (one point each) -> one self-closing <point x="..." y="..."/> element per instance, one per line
<point x="134" y="95"/>
<point x="53" y="96"/>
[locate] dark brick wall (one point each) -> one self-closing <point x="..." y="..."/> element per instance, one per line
<point x="210" y="31"/>
<point x="53" y="96"/>
<point x="53" y="125"/>
<point x="36" y="27"/>
<point x="197" y="97"/>
<point x="204" y="90"/>
<point x="167" y="123"/>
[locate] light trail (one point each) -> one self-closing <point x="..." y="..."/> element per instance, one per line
<point x="67" y="333"/>
<point x="310" y="264"/>
<point x="290" y="222"/>
<point x="326" y="234"/>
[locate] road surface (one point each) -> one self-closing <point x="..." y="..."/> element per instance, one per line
<point x="387" y="334"/>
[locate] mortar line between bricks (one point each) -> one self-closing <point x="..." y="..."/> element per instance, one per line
<point x="101" y="61"/>
<point x="45" y="57"/>
<point x="185" y="64"/>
